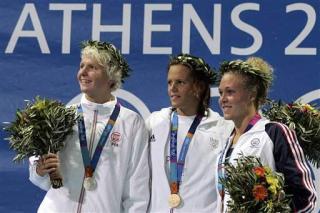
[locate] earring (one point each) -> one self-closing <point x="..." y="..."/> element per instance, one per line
<point x="196" y="94"/>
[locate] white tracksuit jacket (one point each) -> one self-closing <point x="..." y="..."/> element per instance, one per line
<point x="278" y="148"/>
<point x="197" y="189"/>
<point x="122" y="173"/>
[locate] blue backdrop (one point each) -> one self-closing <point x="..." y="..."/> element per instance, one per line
<point x="39" y="55"/>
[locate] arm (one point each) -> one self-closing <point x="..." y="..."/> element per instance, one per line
<point x="136" y="193"/>
<point x="290" y="160"/>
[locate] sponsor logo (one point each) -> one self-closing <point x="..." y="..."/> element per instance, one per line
<point x="152" y="138"/>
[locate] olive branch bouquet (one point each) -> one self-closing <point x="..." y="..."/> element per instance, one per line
<point x="304" y="119"/>
<point x="41" y="128"/>
<point x="253" y="187"/>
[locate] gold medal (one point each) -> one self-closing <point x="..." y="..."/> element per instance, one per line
<point x="174" y="200"/>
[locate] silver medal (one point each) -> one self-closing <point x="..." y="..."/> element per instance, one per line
<point x="89" y="183"/>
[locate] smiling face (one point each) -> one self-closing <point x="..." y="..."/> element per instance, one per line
<point x="181" y="90"/>
<point x="235" y="100"/>
<point x="93" y="80"/>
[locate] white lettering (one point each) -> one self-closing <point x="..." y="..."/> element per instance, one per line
<point x="67" y="20"/>
<point x="190" y="15"/>
<point x="29" y="9"/>
<point x="257" y="37"/>
<point x="97" y="28"/>
<point x="149" y="28"/>
<point x="292" y="48"/>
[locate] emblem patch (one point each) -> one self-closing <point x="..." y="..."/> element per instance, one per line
<point x="214" y="143"/>
<point x="255" y="143"/>
<point x="115" y="138"/>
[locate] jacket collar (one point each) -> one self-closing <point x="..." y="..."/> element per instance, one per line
<point x="258" y="127"/>
<point x="105" y="107"/>
<point x="213" y="116"/>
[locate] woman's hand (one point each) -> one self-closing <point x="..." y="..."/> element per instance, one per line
<point x="49" y="164"/>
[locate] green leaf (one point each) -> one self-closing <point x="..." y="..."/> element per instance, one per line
<point x="35" y="127"/>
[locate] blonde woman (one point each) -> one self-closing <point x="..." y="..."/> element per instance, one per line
<point x="243" y="88"/>
<point x="104" y="165"/>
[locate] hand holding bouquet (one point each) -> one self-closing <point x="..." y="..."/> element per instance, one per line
<point x="39" y="129"/>
<point x="254" y="187"/>
<point x="304" y="119"/>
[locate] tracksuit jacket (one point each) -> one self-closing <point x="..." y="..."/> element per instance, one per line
<point x="122" y="172"/>
<point x="197" y="188"/>
<point x="277" y="147"/>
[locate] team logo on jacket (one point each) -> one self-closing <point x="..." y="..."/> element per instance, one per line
<point x="115" y="139"/>
<point x="255" y="143"/>
<point x="214" y="143"/>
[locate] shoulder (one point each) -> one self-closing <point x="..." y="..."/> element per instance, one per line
<point x="130" y="116"/>
<point x="216" y="117"/>
<point x="163" y="114"/>
<point x="276" y="130"/>
<point x="158" y="118"/>
<point x="276" y="127"/>
<point x="218" y="120"/>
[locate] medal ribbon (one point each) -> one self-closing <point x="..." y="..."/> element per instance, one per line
<point x="91" y="164"/>
<point x="176" y="167"/>
<point x="252" y="122"/>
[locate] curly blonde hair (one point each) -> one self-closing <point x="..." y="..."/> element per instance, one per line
<point x="257" y="74"/>
<point x="110" y="58"/>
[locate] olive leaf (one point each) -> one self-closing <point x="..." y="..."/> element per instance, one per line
<point x="39" y="128"/>
<point x="304" y="119"/>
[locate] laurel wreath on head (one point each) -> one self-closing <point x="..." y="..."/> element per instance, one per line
<point x="197" y="64"/>
<point x="244" y="67"/>
<point x="117" y="57"/>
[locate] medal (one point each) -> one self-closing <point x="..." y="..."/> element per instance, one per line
<point x="177" y="164"/>
<point x="90" y="165"/>
<point x="89" y="183"/>
<point x="174" y="200"/>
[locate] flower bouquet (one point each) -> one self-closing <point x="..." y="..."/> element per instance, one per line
<point x="41" y="128"/>
<point x="304" y="119"/>
<point x="253" y="187"/>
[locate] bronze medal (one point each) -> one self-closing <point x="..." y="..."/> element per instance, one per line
<point x="174" y="200"/>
